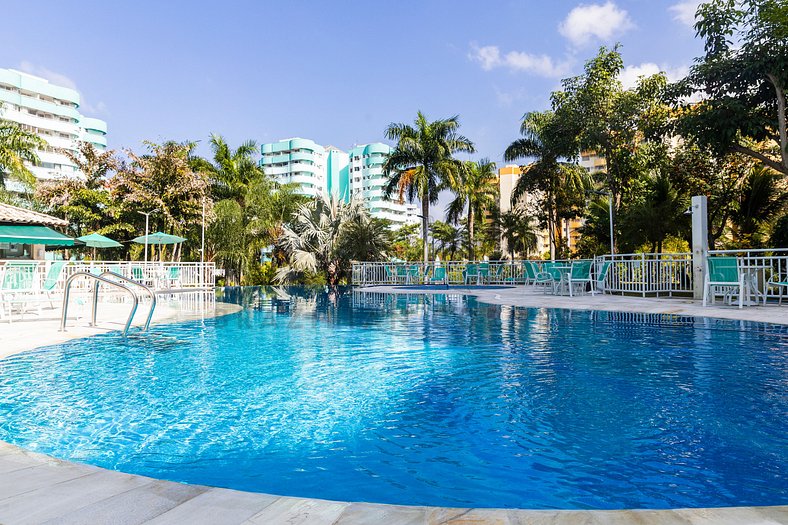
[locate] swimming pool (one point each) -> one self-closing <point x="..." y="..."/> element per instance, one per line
<point x="421" y="399"/>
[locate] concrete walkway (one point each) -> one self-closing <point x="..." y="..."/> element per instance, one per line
<point x="35" y="488"/>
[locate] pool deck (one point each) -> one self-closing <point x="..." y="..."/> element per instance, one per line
<point x="36" y="488"/>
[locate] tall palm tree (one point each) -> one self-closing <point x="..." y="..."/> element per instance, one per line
<point x="232" y="172"/>
<point x="422" y="162"/>
<point x="449" y="238"/>
<point x="17" y="146"/>
<point x="560" y="186"/>
<point x="475" y="187"/>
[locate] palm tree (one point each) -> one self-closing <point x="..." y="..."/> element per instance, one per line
<point x="422" y="162"/>
<point x="316" y="239"/>
<point x="476" y="187"/>
<point x="17" y="146"/>
<point x="232" y="172"/>
<point x="560" y="186"/>
<point x="659" y="214"/>
<point x="449" y="238"/>
<point x="762" y="198"/>
<point x="517" y="228"/>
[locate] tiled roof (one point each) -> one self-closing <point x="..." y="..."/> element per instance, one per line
<point x="14" y="215"/>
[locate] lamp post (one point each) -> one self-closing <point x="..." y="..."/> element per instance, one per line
<point x="147" y="220"/>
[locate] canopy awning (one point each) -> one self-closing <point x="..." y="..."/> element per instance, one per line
<point x="26" y="234"/>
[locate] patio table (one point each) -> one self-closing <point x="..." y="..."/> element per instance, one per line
<point x="751" y="273"/>
<point x="564" y="281"/>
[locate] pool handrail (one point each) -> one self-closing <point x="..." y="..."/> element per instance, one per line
<point x="136" y="283"/>
<point x="98" y="279"/>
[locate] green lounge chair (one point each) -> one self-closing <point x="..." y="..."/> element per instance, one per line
<point x="173" y="277"/>
<point x="776" y="281"/>
<point x="439" y="276"/>
<point x="470" y="272"/>
<point x="598" y="284"/>
<point x="530" y="270"/>
<point x="723" y="276"/>
<point x="18" y="287"/>
<point x="484" y="272"/>
<point x="579" y="275"/>
<point x="412" y="274"/>
<point x="391" y="274"/>
<point x="546" y="277"/>
<point x="402" y="274"/>
<point x="51" y="280"/>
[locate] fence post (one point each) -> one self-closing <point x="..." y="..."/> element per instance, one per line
<point x="700" y="243"/>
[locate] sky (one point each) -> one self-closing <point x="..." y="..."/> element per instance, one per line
<point x="335" y="72"/>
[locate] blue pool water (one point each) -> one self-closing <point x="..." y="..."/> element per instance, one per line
<point x="422" y="400"/>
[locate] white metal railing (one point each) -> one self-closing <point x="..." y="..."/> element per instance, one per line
<point x="161" y="276"/>
<point x="456" y="272"/>
<point x="762" y="268"/>
<point x="649" y="273"/>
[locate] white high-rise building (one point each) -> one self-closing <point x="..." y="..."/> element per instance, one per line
<point x="357" y="174"/>
<point x="53" y="113"/>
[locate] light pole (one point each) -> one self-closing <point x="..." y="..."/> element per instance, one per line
<point x="147" y="220"/>
<point x="610" y="210"/>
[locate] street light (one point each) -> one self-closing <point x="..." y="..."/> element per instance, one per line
<point x="147" y="218"/>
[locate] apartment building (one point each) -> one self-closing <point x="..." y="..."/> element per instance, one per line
<point x="52" y="112"/>
<point x="319" y="170"/>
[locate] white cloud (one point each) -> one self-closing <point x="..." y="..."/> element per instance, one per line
<point x="595" y="21"/>
<point x="54" y="77"/>
<point x="490" y="57"/>
<point x="684" y="11"/>
<point x="630" y="75"/>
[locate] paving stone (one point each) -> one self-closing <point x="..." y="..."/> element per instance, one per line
<point x="42" y="476"/>
<point x="469" y="517"/>
<point x="297" y="511"/>
<point x="216" y="506"/>
<point x="53" y="501"/>
<point x="134" y="506"/>
<point x="368" y="513"/>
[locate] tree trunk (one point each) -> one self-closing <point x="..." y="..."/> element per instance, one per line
<point x="778" y="88"/>
<point x="470" y="232"/>
<point x="425" y="225"/>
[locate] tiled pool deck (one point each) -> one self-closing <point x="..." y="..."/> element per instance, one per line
<point x="35" y="488"/>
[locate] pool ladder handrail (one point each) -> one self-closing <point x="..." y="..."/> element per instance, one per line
<point x="100" y="279"/>
<point x="125" y="279"/>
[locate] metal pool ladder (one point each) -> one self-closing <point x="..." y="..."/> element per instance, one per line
<point x="117" y="281"/>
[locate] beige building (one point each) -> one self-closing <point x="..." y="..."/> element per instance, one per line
<point x="507" y="180"/>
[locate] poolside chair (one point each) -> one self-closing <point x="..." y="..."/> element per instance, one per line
<point x="781" y="282"/>
<point x="545" y="277"/>
<point x="580" y="276"/>
<point x="173" y="277"/>
<point x="723" y="276"/>
<point x="470" y="272"/>
<point x="439" y="276"/>
<point x="18" y="287"/>
<point x="391" y="274"/>
<point x="412" y="274"/>
<point x="529" y="272"/>
<point x="51" y="280"/>
<point x="402" y="274"/>
<point x="484" y="272"/>
<point x="598" y="284"/>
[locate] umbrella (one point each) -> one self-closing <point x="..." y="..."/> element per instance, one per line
<point x="158" y="238"/>
<point x="94" y="240"/>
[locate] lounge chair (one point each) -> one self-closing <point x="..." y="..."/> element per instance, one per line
<point x="598" y="284"/>
<point x="723" y="276"/>
<point x="412" y="274"/>
<point x="439" y="276"/>
<point x="529" y="272"/>
<point x="781" y="282"/>
<point x="18" y="287"/>
<point x="173" y="277"/>
<point x="484" y="272"/>
<point x="391" y="274"/>
<point x="470" y="272"/>
<point x="580" y="276"/>
<point x="546" y="277"/>
<point x="51" y="280"/>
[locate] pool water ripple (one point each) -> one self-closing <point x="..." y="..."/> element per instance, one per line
<point x="424" y="400"/>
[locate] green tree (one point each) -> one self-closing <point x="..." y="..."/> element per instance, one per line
<point x="448" y="238"/>
<point x="517" y="229"/>
<point x="779" y="238"/>
<point x="558" y="186"/>
<point x="742" y="78"/>
<point x="422" y="163"/>
<point x="406" y="243"/>
<point x="367" y="239"/>
<point x="162" y="179"/>
<point x="476" y="189"/>
<point x="84" y="201"/>
<point x="762" y="198"/>
<point x="18" y="146"/>
<point x="316" y="241"/>
<point x="657" y="215"/>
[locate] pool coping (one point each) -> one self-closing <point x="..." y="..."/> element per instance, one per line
<point x="39" y="488"/>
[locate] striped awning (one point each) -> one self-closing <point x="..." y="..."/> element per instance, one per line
<point x="27" y="234"/>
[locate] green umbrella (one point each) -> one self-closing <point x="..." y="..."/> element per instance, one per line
<point x="94" y="240"/>
<point x="158" y="238"/>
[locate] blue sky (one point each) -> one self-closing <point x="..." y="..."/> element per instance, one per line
<point x="335" y="72"/>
